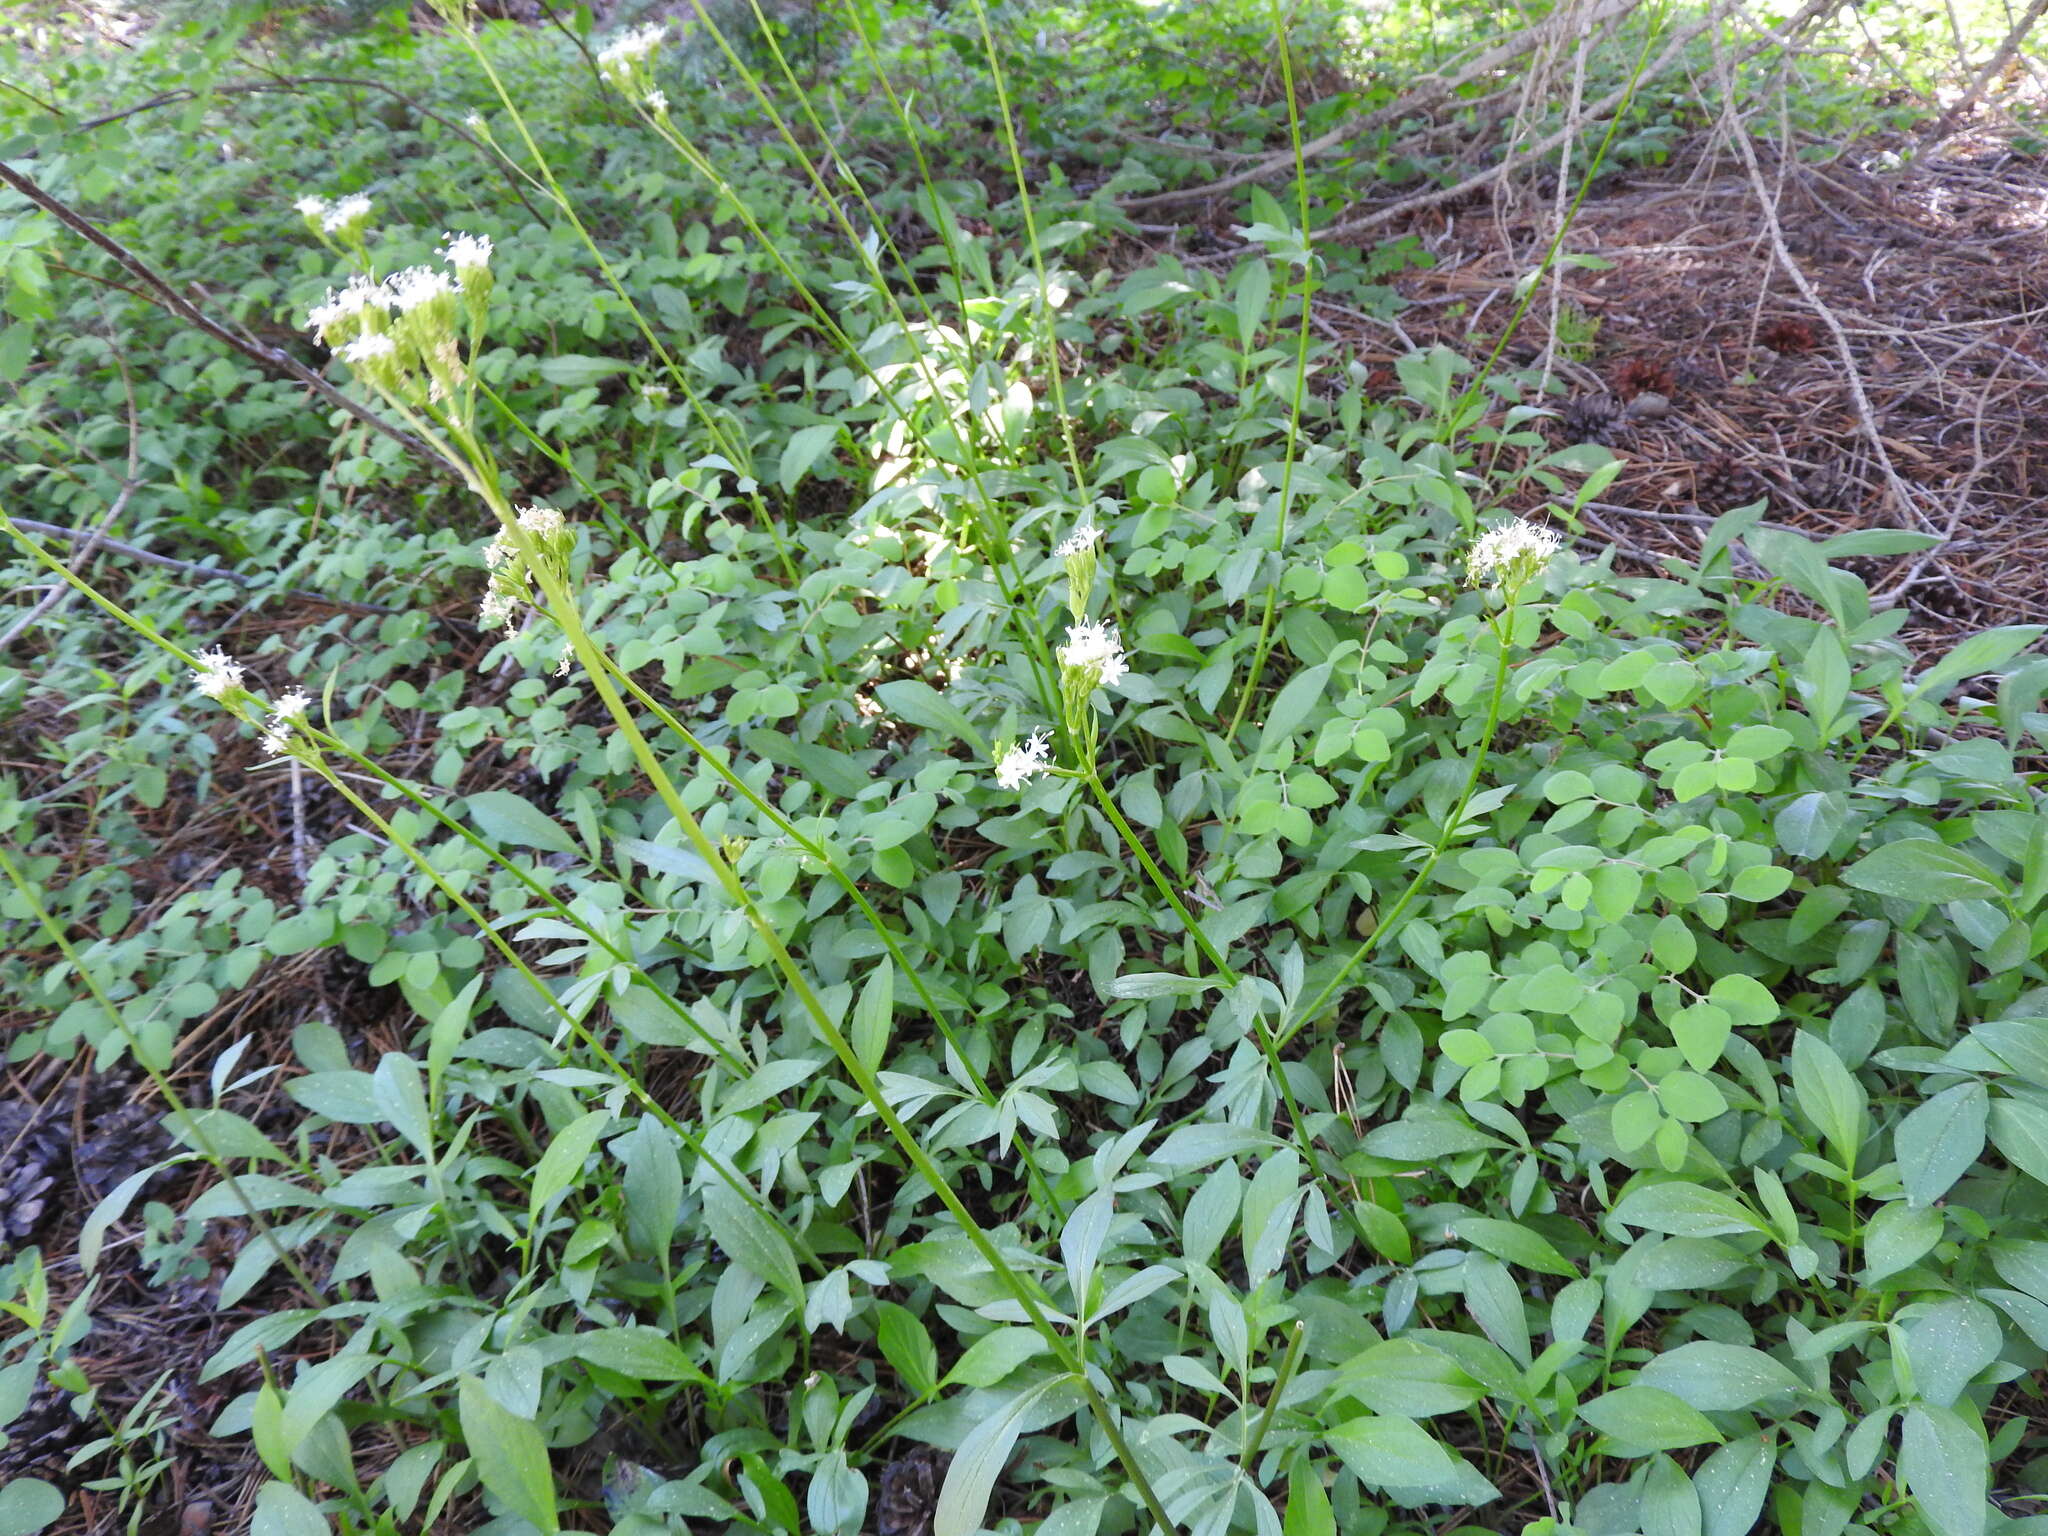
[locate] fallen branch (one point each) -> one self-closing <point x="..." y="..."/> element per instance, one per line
<point x="61" y="595"/>
<point x="1866" y="418"/>
<point x="165" y="296"/>
<point x="1945" y="124"/>
<point x="1536" y="151"/>
<point x="191" y="567"/>
<point x="1425" y="94"/>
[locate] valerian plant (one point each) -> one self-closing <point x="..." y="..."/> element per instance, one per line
<point x="1087" y="907"/>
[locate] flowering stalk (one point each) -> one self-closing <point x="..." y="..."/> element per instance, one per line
<point x="1263" y="646"/>
<point x="532" y="535"/>
<point x="1509" y="556"/>
<point x="990" y="529"/>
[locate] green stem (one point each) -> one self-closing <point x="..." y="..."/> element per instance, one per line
<point x="1265" y="641"/>
<point x="1297" y="1122"/>
<point x="824" y="854"/>
<point x="1503" y="632"/>
<point x="1251" y="1451"/>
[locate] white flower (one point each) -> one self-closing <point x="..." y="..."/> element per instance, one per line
<point x="291" y="706"/>
<point x="373" y="348"/>
<point x="540" y="520"/>
<point x="345" y="213"/>
<point x="475" y="123"/>
<point x="497" y="552"/>
<point x="418" y="285"/>
<point x="497" y="608"/>
<point x="1094" y="649"/>
<point x="361" y="294"/>
<point x="628" y="51"/>
<point x="1511" y="552"/>
<point x="657" y="103"/>
<point x="311" y="207"/>
<point x="467" y="253"/>
<point x="1034" y="755"/>
<point x="1079" y="542"/>
<point x="217" y="673"/>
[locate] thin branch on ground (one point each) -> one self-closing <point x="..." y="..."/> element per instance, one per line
<point x="190" y="567"/>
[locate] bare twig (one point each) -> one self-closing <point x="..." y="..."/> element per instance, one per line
<point x="1945" y="124"/>
<point x="1598" y="111"/>
<point x="62" y="593"/>
<point x="1908" y="504"/>
<point x="1426" y="93"/>
<point x="166" y="296"/>
<point x="192" y="567"/>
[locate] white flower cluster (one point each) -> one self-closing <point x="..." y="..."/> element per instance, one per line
<point x="1511" y="553"/>
<point x="626" y="55"/>
<point x="1033" y="755"/>
<point x="507" y="588"/>
<point x="288" y="710"/>
<point x="657" y="103"/>
<point x="218" y="674"/>
<point x="1079" y="542"/>
<point x="365" y="304"/>
<point x="468" y="255"/>
<point x="1094" y="652"/>
<point x="343" y="217"/>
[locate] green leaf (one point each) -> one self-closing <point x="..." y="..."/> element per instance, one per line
<point x="2019" y="1129"/>
<point x="1936" y="1144"/>
<point x="1515" y="1243"/>
<point x="907" y="1345"/>
<point x="1922" y="869"/>
<point x="1898" y="1235"/>
<point x="980" y="1460"/>
<point x="1733" y="1483"/>
<point x="1985" y="651"/>
<point x="991" y="1359"/>
<point x="560" y="1165"/>
<point x="1808" y="827"/>
<point x="1143" y="984"/>
<point x="1294" y="704"/>
<point x="281" y="1510"/>
<point x="1644" y="1419"/>
<point x="1720" y="1378"/>
<point x="1948" y="1346"/>
<point x="873" y="1014"/>
<point x="1686" y="1210"/>
<point x="27" y="1504"/>
<point x="510" y="1455"/>
<point x="751" y="1239"/>
<point x="1829" y="1095"/>
<point x="921" y="704"/>
<point x="572" y="370"/>
<point x="638" y="1351"/>
<point x="1308" y="1506"/>
<point x="1947" y="1468"/>
<point x="1383" y="1450"/>
<point x="506" y="818"/>
<point x="805" y="447"/>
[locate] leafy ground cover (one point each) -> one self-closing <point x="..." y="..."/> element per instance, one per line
<point x="806" y="828"/>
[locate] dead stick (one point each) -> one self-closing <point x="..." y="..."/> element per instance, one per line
<point x="1428" y="92"/>
<point x="169" y="298"/>
<point x="192" y="567"/>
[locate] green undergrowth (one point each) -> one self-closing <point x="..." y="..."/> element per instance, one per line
<point x="1280" y="1014"/>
